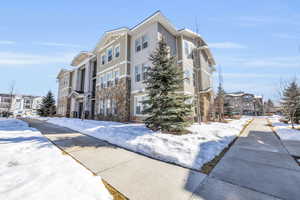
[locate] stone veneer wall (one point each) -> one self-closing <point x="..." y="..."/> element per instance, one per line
<point x="119" y="92"/>
<point x="205" y="103"/>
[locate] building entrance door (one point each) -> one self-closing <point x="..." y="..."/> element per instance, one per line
<point x="80" y="109"/>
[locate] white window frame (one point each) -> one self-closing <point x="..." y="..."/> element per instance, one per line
<point x="104" y="81"/>
<point x="137" y="43"/>
<point x="145" y="40"/>
<point x="145" y="67"/>
<point x="117" y="76"/>
<point x="138" y="102"/>
<point x="186" y="48"/>
<point x="108" y="106"/>
<point x="187" y="76"/>
<point x="117" y="47"/>
<point x="137" y="73"/>
<point x="109" y="49"/>
<point x="103" y="59"/>
<point x="114" y="107"/>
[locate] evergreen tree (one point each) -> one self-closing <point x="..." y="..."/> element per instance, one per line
<point x="47" y="106"/>
<point x="291" y="101"/>
<point x="166" y="108"/>
<point x="219" y="104"/>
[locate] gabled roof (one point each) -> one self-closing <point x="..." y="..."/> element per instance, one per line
<point x="108" y="34"/>
<point x="80" y="57"/>
<point x="155" y="17"/>
<point x="111" y="35"/>
<point x="62" y="71"/>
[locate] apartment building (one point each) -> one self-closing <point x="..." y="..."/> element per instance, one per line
<point x="242" y="103"/>
<point x="106" y="83"/>
<point x="19" y="105"/>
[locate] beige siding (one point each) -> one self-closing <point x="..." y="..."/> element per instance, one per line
<point x="123" y="48"/>
<point x="142" y="57"/>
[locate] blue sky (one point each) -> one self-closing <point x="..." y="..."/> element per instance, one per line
<point x="256" y="43"/>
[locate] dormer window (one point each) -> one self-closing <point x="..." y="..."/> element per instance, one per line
<point x="138" y="46"/>
<point x="109" y="54"/>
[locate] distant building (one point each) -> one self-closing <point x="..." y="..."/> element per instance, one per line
<point x="241" y="103"/>
<point x="5" y="102"/>
<point x="19" y="105"/>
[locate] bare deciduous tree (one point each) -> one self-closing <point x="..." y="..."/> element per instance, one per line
<point x="11" y="95"/>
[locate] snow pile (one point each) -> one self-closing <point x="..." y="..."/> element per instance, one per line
<point x="191" y="150"/>
<point x="32" y="168"/>
<point x="285" y="131"/>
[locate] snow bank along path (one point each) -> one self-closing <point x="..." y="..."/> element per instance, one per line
<point x="285" y="131"/>
<point x="190" y="150"/>
<point x="32" y="168"/>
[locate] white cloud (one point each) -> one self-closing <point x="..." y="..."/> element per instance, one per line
<point x="7" y="42"/>
<point x="16" y="58"/>
<point x="250" y="75"/>
<point x="285" y="36"/>
<point x="263" y="20"/>
<point x="226" y="45"/>
<point x="56" y="44"/>
<point x="268" y="62"/>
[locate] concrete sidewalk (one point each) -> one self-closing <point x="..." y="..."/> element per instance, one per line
<point x="135" y="176"/>
<point x="257" y="166"/>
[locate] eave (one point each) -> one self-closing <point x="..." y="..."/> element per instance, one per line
<point x="81" y="57"/>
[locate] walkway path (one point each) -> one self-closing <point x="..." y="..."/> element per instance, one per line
<point x="137" y="177"/>
<point x="257" y="167"/>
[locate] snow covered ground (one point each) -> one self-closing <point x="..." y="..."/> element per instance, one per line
<point x="32" y="168"/>
<point x="190" y="150"/>
<point x="285" y="131"/>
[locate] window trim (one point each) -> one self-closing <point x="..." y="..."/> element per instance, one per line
<point x="145" y="39"/>
<point x="112" y="54"/>
<point x="103" y="59"/>
<point x="137" y="43"/>
<point x="119" y="53"/>
<point x="136" y="102"/>
<point x="137" y="73"/>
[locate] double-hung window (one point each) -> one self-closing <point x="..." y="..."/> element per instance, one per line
<point x="145" y="68"/>
<point x="187" y="76"/>
<point x="108" y="106"/>
<point x="137" y="73"/>
<point x="138" y="46"/>
<point x="145" y="41"/>
<point x="103" y="59"/>
<point x="138" y="105"/>
<point x="186" y="48"/>
<point x="104" y="81"/>
<point x="102" y="107"/>
<point x="109" y="54"/>
<point x="114" y="106"/>
<point x="117" y="51"/>
<point x="108" y="79"/>
<point x="116" y="76"/>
